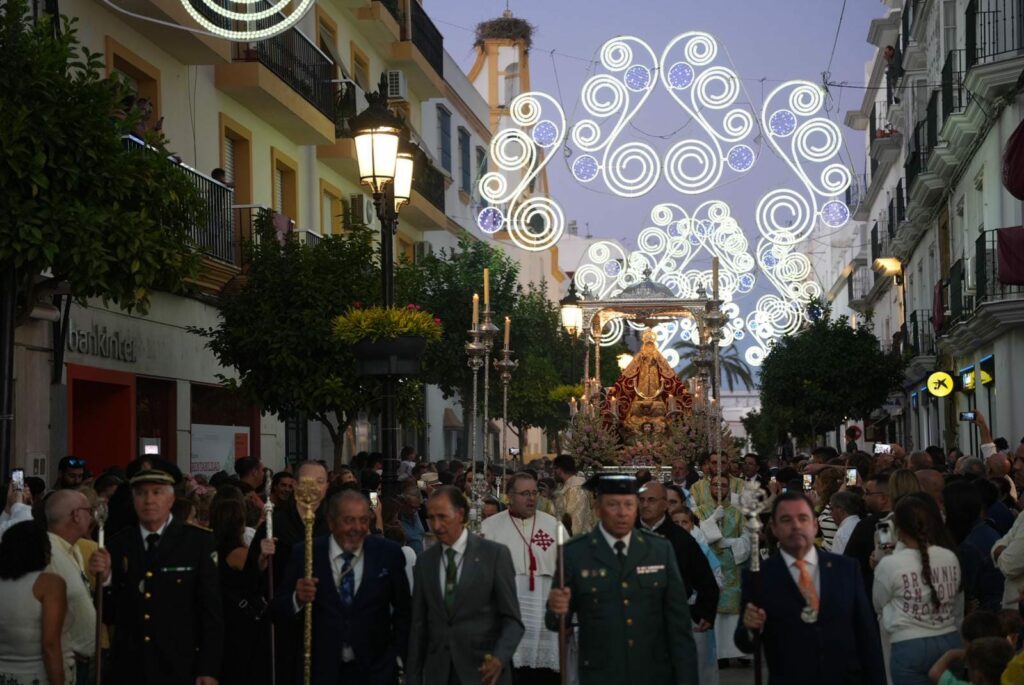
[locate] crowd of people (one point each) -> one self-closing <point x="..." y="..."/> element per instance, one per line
<point x="873" y="568"/>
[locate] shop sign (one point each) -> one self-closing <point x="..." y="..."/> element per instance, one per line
<point x="97" y="341"/>
<point x="940" y="384"/>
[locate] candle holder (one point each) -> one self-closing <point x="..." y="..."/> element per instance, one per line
<point x="475" y="352"/>
<point x="504" y="366"/>
<point x="488" y="332"/>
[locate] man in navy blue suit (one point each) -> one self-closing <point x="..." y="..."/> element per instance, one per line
<point x="360" y="596"/>
<point x="810" y="607"/>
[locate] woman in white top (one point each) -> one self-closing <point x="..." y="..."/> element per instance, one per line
<point x="33" y="605"/>
<point x="918" y="593"/>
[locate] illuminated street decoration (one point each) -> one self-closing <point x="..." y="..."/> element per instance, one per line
<point x="713" y="150"/>
<point x="266" y="19"/>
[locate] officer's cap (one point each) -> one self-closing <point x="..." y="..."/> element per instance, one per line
<point x="612" y="484"/>
<point x="152" y="476"/>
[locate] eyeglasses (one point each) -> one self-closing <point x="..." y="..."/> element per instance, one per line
<point x="527" y="493"/>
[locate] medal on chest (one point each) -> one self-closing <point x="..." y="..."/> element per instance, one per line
<point x="809" y="615"/>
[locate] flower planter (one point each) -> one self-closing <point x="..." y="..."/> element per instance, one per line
<point x="389" y="357"/>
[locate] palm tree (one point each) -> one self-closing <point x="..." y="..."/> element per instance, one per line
<point x="733" y="367"/>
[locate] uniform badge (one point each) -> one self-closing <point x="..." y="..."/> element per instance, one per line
<point x="809" y="615"/>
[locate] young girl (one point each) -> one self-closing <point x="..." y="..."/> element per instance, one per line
<point x="918" y="594"/>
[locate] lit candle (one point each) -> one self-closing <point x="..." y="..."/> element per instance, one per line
<point x="671" y="403"/>
<point x="572" y="407"/>
<point x="476" y="310"/>
<point x="487" y="288"/>
<point x="508" y="328"/>
<point x="561" y="535"/>
<point x="615" y="406"/>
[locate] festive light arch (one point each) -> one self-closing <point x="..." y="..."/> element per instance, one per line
<point x="721" y="147"/>
<point x="270" y="20"/>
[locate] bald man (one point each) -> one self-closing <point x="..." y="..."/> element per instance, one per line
<point x="68" y="519"/>
<point x="932" y="483"/>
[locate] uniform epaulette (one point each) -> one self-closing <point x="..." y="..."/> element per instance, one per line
<point x="199" y="526"/>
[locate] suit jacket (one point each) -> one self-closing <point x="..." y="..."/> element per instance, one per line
<point x="376" y="626"/>
<point x="695" y="570"/>
<point x="485" y="618"/>
<point x="166" y="611"/>
<point x="634" y="619"/>
<point x="860" y="547"/>
<point x="842" y="646"/>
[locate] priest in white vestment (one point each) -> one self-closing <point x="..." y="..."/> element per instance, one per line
<point x="530" y="536"/>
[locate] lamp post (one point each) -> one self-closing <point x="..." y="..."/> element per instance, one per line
<point x="572" y="318"/>
<point x="386" y="167"/>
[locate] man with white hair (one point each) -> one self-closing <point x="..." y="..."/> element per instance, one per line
<point x="161" y="594"/>
<point x="69" y="519"/>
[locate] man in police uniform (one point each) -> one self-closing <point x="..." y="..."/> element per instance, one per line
<point x="623" y="584"/>
<point x="162" y="595"/>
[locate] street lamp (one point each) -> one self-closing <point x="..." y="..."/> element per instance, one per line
<point x="572" y="312"/>
<point x="388" y="172"/>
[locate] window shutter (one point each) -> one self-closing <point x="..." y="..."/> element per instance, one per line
<point x="278" y="201"/>
<point x="229" y="159"/>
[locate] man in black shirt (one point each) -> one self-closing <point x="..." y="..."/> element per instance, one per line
<point x="862" y="540"/>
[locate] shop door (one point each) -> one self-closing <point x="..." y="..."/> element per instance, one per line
<point x="101" y="416"/>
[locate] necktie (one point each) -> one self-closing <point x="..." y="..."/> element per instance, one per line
<point x="347" y="584"/>
<point x="806" y="584"/>
<point x="620" y="551"/>
<point x="450" y="578"/>
<point x="151" y="542"/>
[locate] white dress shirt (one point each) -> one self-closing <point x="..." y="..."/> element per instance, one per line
<point x="460" y="553"/>
<point x="843" y="534"/>
<point x="337" y="556"/>
<point x="160" y="531"/>
<point x="611" y="539"/>
<point x="812" y="567"/>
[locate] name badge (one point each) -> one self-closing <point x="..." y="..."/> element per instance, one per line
<point x="643" y="570"/>
<point x="177" y="569"/>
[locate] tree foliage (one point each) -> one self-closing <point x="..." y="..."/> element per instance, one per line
<point x="734" y="369"/>
<point x="815" y="379"/>
<point x="77" y="203"/>
<point x="276" y="328"/>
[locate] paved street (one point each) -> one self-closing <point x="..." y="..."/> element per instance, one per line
<point x="737" y="676"/>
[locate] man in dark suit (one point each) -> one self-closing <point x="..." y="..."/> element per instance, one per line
<point x="360" y="598"/>
<point x="814" y="617"/>
<point x="693" y="565"/>
<point x="862" y="540"/>
<point x="162" y="594"/>
<point x="465" y="611"/>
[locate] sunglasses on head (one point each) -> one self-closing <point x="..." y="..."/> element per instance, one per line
<point x="76" y="463"/>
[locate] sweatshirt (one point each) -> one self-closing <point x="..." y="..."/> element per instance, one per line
<point x="903" y="600"/>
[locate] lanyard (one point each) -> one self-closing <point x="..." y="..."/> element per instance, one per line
<point x="529" y="547"/>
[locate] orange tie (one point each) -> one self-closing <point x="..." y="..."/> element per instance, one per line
<point x="807" y="585"/>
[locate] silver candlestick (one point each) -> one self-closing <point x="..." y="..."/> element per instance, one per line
<point x="475" y="351"/>
<point x="488" y="332"/>
<point x="505" y="366"/>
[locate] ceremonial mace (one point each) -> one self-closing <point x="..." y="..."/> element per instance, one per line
<point x="100" y="514"/>
<point x="268" y="515"/>
<point x="563" y="620"/>
<point x="475" y="350"/>
<point x="752" y="503"/>
<point x="306" y="494"/>
<point x="488" y="332"/>
<point x="505" y="366"/>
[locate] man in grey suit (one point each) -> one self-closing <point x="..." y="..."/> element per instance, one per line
<point x="465" y="612"/>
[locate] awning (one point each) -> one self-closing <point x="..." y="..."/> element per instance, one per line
<point x="451" y="419"/>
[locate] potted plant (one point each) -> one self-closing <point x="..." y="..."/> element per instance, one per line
<point x="387" y="341"/>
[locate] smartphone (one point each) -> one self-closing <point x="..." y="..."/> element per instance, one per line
<point x="374" y="500"/>
<point x="420" y="484"/>
<point x="773" y="480"/>
<point x="851" y="476"/>
<point x="883" y="448"/>
<point x="808" y="481"/>
<point x="884" y="530"/>
<point x="968" y="415"/>
<point x="18" y="478"/>
<point x="151" y="449"/>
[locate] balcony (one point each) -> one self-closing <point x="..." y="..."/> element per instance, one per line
<point x="856" y="193"/>
<point x="858" y="286"/>
<point x="426" y="208"/>
<point x="287" y="79"/>
<point x="188" y="47"/>
<point x="921" y="333"/>
<point x="423" y="52"/>
<point x="989" y="284"/>
<point x="924" y="185"/>
<point x="994" y="38"/>
<point x="213" y="235"/>
<point x="914" y="55"/>
<point x="885" y="140"/>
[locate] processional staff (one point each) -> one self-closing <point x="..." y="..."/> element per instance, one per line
<point x="306" y="494"/>
<point x="268" y="515"/>
<point x="563" y="625"/>
<point x="752" y="503"/>
<point x="100" y="514"/>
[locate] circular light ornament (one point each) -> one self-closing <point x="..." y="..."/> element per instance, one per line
<point x="249" y="36"/>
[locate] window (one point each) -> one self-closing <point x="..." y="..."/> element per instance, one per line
<point x="330" y="209"/>
<point x="236" y="157"/>
<point x="360" y="68"/>
<point x="142" y="77"/>
<point x="327" y="38"/>
<point x="481" y="169"/>
<point x="284" y="186"/>
<point x="296" y="439"/>
<point x="406" y="250"/>
<point x="444" y="135"/>
<point x="511" y="82"/>
<point x="466" y="171"/>
<point x="949" y="25"/>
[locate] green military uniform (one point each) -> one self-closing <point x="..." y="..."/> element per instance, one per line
<point x="634" y="619"/>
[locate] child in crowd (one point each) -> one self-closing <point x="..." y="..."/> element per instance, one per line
<point x="987" y="658"/>
<point x="977" y="625"/>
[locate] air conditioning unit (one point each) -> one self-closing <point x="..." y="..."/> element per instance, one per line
<point x="970" y="276"/>
<point x="361" y="210"/>
<point x="421" y="249"/>
<point x="398" y="87"/>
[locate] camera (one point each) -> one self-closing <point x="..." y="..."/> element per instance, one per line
<point x="851" y="477"/>
<point x="808" y="481"/>
<point x="18" y="479"/>
<point x="968" y="415"/>
<point x="374" y="500"/>
<point x="883" y="448"/>
<point x="883" y="529"/>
